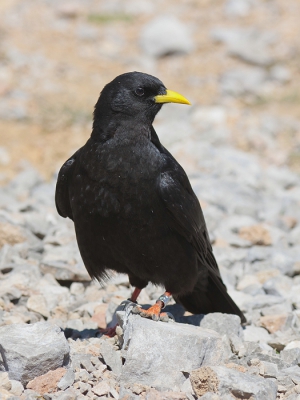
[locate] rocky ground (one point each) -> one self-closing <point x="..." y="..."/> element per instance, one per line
<point x="238" y="62"/>
<point x="253" y="217"/>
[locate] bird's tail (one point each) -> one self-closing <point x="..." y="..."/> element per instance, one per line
<point x="209" y="295"/>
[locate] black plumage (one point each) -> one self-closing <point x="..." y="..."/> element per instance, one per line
<point x="132" y="204"/>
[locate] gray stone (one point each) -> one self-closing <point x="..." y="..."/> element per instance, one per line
<point x="172" y="347"/>
<point x="256" y="334"/>
<point x="165" y="35"/>
<point x="238" y="8"/>
<point x="241" y="81"/>
<point x="268" y="370"/>
<point x="67" y="380"/>
<point x="280" y="74"/>
<point x="16" y="387"/>
<point x="226" y="381"/>
<point x="224" y="324"/>
<point x="29" y="351"/>
<point x="291" y="356"/>
<point x="111" y="357"/>
<point x="248" y="44"/>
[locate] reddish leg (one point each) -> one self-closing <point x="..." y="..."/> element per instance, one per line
<point x="111" y="332"/>
<point x="135" y="295"/>
<point x="154" y="311"/>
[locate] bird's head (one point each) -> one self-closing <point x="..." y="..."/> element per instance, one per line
<point x="135" y="95"/>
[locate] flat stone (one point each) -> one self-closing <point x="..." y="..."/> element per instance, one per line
<point x="111" y="357"/>
<point x="273" y="323"/>
<point x="255" y="334"/>
<point x="101" y="388"/>
<point x="166" y="35"/>
<point x="67" y="380"/>
<point x="32" y="350"/>
<point x="172" y="347"/>
<point x="47" y="383"/>
<point x="227" y="381"/>
<point x="16" y="388"/>
<point x="224" y="324"/>
<point x="5" y="383"/>
<point x="37" y="303"/>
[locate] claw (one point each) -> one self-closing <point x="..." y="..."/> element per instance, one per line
<point x="154" y="312"/>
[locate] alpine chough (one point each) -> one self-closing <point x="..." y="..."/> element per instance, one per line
<point x="132" y="204"/>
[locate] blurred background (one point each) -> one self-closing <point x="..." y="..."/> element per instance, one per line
<point x="237" y="61"/>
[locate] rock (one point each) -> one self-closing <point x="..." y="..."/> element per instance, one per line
<point x="268" y="370"/>
<point x="225" y="381"/>
<point x="255" y="334"/>
<point x="16" y="388"/>
<point x="241" y="81"/>
<point x="77" y="288"/>
<point x="256" y="234"/>
<point x="37" y="303"/>
<point x="5" y="383"/>
<point x="247" y="44"/>
<point x="238" y="8"/>
<point x="47" y="383"/>
<point x="101" y="388"/>
<point x="291" y="356"/>
<point x="172" y="347"/>
<point x="280" y="74"/>
<point x="5" y="394"/>
<point x="165" y="35"/>
<point x="273" y="323"/>
<point x="67" y="380"/>
<point x="10" y="234"/>
<point x="111" y="357"/>
<point x="224" y="324"/>
<point x="33" y="350"/>
<point x="69" y="10"/>
<point x="61" y="269"/>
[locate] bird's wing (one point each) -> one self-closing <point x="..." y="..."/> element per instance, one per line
<point x="62" y="198"/>
<point x="184" y="208"/>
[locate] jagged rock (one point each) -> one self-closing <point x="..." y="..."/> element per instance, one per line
<point x="32" y="350"/>
<point x="170" y="351"/>
<point x="226" y="381"/>
<point x="111" y="357"/>
<point x="224" y="324"/>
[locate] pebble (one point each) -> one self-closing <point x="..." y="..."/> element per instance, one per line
<point x="166" y="35"/>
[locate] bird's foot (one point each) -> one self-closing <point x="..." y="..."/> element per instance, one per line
<point x="110" y="332"/>
<point x="154" y="312"/>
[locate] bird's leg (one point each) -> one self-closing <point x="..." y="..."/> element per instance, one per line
<point x="135" y="295"/>
<point x="154" y="311"/>
<point x="111" y="332"/>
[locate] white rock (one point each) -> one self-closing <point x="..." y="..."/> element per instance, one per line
<point x="256" y="334"/>
<point x="165" y="35"/>
<point x="171" y="347"/>
<point x="32" y="350"/>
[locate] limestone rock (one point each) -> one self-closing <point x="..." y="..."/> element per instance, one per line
<point x="172" y="347"/>
<point x="32" y="350"/>
<point x="226" y="381"/>
<point x="166" y="35"/>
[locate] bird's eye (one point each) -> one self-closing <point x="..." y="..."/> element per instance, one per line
<point x="139" y="91"/>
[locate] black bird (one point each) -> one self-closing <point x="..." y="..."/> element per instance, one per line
<point x="133" y="206"/>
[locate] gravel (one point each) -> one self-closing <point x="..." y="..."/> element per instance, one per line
<point x="44" y="284"/>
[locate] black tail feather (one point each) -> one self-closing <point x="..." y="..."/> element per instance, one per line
<point x="211" y="297"/>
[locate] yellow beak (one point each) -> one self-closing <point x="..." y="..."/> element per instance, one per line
<point x="171" y="97"/>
